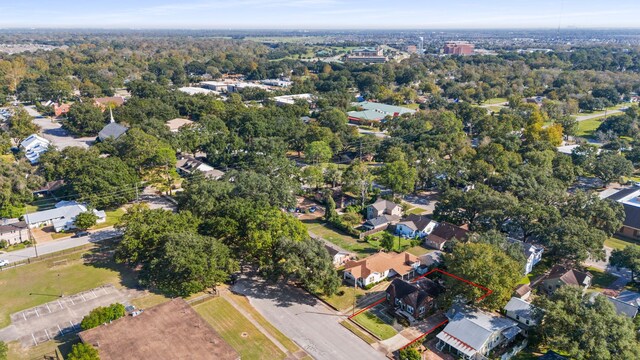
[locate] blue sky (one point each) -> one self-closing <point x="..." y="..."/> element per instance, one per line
<point x="320" y="14"/>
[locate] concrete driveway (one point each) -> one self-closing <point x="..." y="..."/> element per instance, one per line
<point x="305" y="320"/>
<point x="52" y="130"/>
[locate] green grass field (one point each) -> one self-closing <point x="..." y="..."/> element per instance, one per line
<point x="344" y="241"/>
<point x="600" y="279"/>
<point x="411" y="106"/>
<point x="495" y="101"/>
<point x="237" y="330"/>
<point x="358" y="332"/>
<point x="586" y="128"/>
<point x="419" y="250"/>
<point x="31" y="285"/>
<point x="375" y="325"/>
<point x="113" y="216"/>
<point x="619" y="243"/>
<point x="344" y="301"/>
<point x="62" y="345"/>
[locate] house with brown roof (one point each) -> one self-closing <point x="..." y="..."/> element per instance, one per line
<point x="61" y="109"/>
<point x="444" y="232"/>
<point x="14" y="233"/>
<point x="105" y="102"/>
<point x="413" y="300"/>
<point x="176" y="124"/>
<point x="561" y="276"/>
<point x="380" y="266"/>
<point x="172" y="330"/>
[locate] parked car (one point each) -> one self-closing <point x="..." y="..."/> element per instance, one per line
<point x="313" y="209"/>
<point x="4" y="262"/>
<point x="80" y="234"/>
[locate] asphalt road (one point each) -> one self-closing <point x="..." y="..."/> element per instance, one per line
<point x="598" y="115"/>
<point x="59" y="245"/>
<point x="306" y="321"/>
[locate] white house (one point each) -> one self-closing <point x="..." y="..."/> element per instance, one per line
<point x="380" y="266"/>
<point x="532" y="253"/>
<point x="473" y="333"/>
<point x="415" y="226"/>
<point x="522" y="312"/>
<point x="34" y="146"/>
<point x="339" y="257"/>
<point x="61" y="217"/>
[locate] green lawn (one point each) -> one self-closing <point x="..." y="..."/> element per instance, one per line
<point x="232" y="325"/>
<point x="31" y="285"/>
<point x="600" y="279"/>
<point x="416" y="210"/>
<point x="358" y="332"/>
<point x="282" y="339"/>
<point x="526" y="279"/>
<point x="344" y="241"/>
<point x="375" y="325"/>
<point x="586" y="128"/>
<point x="419" y="250"/>
<point x="344" y="301"/>
<point x="411" y="106"/>
<point x="618" y="243"/>
<point x="62" y="345"/>
<point x="113" y="216"/>
<point x="495" y="101"/>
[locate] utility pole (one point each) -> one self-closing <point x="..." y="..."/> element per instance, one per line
<point x="360" y="149"/>
<point x="31" y="237"/>
<point x="137" y="196"/>
<point x="355" y="284"/>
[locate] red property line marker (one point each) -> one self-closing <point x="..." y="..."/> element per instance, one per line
<point x="423" y="335"/>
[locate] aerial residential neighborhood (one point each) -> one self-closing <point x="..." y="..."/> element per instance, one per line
<point x="319" y="180"/>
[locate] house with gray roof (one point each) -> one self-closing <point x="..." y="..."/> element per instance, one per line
<point x="474" y="334"/>
<point x="372" y="112"/>
<point x="61" y="217"/>
<point x="630" y="200"/>
<point x="112" y="130"/>
<point x="523" y="312"/>
<point x="383" y="207"/>
<point x="14" y="232"/>
<point x="415" y="226"/>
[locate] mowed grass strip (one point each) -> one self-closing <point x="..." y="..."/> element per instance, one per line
<point x="232" y="325"/>
<point x="375" y="325"/>
<point x="358" y="332"/>
<point x="619" y="243"/>
<point x="243" y="302"/>
<point x="31" y="285"/>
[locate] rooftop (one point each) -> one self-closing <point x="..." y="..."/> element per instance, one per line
<point x="569" y="276"/>
<point x="381" y="262"/>
<point x="172" y="330"/>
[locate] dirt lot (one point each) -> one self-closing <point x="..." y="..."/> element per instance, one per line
<point x="304" y="204"/>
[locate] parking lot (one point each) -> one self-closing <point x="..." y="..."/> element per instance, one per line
<point x="61" y="316"/>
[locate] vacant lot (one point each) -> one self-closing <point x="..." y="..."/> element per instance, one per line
<point x="344" y="241"/>
<point x="586" y="128"/>
<point x="31" y="285"/>
<point x="343" y="299"/>
<point x="237" y="330"/>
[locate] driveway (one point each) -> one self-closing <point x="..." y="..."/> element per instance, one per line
<point x="305" y="320"/>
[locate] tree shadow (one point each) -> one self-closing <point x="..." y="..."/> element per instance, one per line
<point x="284" y="295"/>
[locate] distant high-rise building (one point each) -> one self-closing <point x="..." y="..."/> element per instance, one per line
<point x="421" y="46"/>
<point x="367" y="55"/>
<point x="458" y="48"/>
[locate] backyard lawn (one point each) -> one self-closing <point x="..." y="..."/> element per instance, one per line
<point x="618" y="243"/>
<point x="419" y="250"/>
<point x="237" y="330"/>
<point x="600" y="279"/>
<point x="375" y="325"/>
<point x="344" y="241"/>
<point x="495" y="101"/>
<point x="31" y="285"/>
<point x="113" y="216"/>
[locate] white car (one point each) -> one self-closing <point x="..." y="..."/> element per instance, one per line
<point x="4" y="262"/>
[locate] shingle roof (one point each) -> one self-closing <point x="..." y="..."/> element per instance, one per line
<point x="569" y="277"/>
<point x="112" y="130"/>
<point x="629" y="297"/>
<point x="385" y="205"/>
<point x="448" y="231"/>
<point x="16" y="226"/>
<point x="416" y="222"/>
<point x="552" y="355"/>
<point x="415" y="293"/>
<point x="631" y="216"/>
<point x="381" y="262"/>
<point x="381" y="220"/>
<point x="622" y="193"/>
<point x="622" y="308"/>
<point x="522" y="289"/>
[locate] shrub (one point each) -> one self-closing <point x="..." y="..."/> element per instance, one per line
<point x="102" y="315"/>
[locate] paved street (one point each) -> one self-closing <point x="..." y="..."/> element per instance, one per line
<point x="306" y="321"/>
<point x="59" y="245"/>
<point x="598" y="115"/>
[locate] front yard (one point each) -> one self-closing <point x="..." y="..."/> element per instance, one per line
<point x="601" y="280"/>
<point x="375" y="325"/>
<point x="619" y="243"/>
<point x="344" y="241"/>
<point x="343" y="299"/>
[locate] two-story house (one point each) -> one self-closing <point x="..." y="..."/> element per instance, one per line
<point x="472" y="333"/>
<point x="532" y="254"/>
<point x="380" y="266"/>
<point x="14" y="233"/>
<point x="561" y="276"/>
<point x="413" y="300"/>
<point x="382" y="213"/>
<point x="522" y="312"/>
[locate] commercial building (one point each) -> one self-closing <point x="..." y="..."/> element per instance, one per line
<point x="291" y="99"/>
<point x="190" y="90"/>
<point x="458" y="48"/>
<point x="368" y="113"/>
<point x="367" y="55"/>
<point x="172" y="330"/>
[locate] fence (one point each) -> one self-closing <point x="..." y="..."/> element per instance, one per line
<point x="48" y="256"/>
<point x="373" y="231"/>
